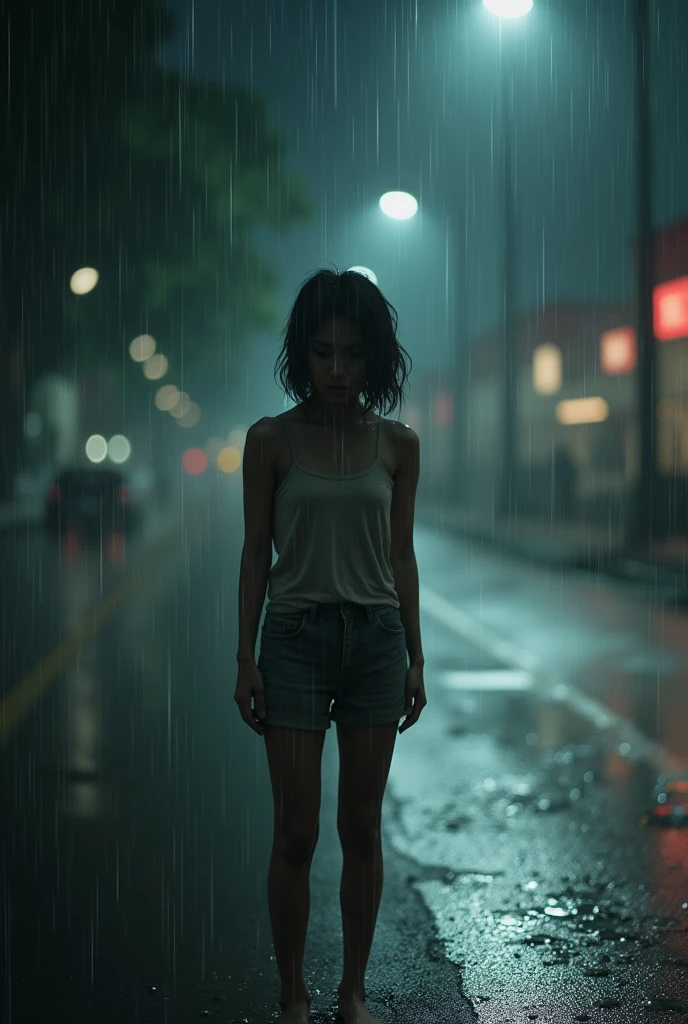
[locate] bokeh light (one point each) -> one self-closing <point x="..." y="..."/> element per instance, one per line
<point x="191" y="417"/>
<point x="83" y="280"/>
<point x="96" y="448"/>
<point x="237" y="437"/>
<point x="142" y="348"/>
<point x="155" y="367"/>
<point x="166" y="397"/>
<point x="195" y="461"/>
<point x="229" y="459"/>
<point x="119" y="448"/>
<point x="181" y="405"/>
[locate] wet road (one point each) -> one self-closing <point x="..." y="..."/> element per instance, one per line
<point x="137" y="814"/>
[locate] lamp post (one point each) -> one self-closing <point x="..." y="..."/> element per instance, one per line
<point x="508" y="9"/>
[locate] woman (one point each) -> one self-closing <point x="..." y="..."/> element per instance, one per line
<point x="334" y="487"/>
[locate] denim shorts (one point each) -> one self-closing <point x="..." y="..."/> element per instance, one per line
<point x="339" y="662"/>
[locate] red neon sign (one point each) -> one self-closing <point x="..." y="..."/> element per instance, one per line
<point x="618" y="351"/>
<point x="670" y="309"/>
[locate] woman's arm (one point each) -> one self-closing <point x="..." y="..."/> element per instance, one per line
<point x="402" y="555"/>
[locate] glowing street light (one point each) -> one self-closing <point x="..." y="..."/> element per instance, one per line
<point x="508" y="8"/>
<point x="398" y="205"/>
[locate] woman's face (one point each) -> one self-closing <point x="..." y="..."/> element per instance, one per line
<point x="336" y="356"/>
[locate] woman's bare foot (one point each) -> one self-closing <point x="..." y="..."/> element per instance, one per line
<point x="353" y="1011"/>
<point x="294" y="1013"/>
<point x="295" y="1008"/>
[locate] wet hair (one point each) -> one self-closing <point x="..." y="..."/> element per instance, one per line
<point x="354" y="297"/>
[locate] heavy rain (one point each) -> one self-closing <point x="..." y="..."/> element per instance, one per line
<point x="344" y="511"/>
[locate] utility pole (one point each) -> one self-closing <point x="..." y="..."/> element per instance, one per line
<point x="645" y="525"/>
<point x="507" y="499"/>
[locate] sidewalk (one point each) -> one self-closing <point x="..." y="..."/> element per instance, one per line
<point x="581" y="546"/>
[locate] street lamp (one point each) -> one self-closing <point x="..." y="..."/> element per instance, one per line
<point x="399" y="205"/>
<point x="508" y="9"/>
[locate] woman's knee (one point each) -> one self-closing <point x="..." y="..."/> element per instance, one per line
<point x="296" y="842"/>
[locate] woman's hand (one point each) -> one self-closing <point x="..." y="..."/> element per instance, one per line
<point x="250" y="684"/>
<point x="415" y="696"/>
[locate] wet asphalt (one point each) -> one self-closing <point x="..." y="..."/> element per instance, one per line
<point x="536" y="858"/>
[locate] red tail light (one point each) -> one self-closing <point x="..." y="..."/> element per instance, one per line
<point x="54" y="494"/>
<point x="123" y="495"/>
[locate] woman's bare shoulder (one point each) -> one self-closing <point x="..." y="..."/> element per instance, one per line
<point x="289" y="414"/>
<point x="263" y="430"/>
<point x="270" y="422"/>
<point x="268" y="430"/>
<point x="398" y="429"/>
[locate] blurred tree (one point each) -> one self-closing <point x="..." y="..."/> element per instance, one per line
<point x="155" y="180"/>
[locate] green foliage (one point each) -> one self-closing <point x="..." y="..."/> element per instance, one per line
<point x="155" y="179"/>
<point x="203" y="170"/>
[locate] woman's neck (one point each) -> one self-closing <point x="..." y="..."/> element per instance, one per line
<point x="339" y="418"/>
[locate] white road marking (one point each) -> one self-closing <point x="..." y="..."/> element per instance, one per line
<point x="548" y="684"/>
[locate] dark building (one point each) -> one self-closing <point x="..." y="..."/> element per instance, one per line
<point x="577" y="428"/>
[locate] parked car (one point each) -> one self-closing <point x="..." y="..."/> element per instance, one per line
<point x="92" y="500"/>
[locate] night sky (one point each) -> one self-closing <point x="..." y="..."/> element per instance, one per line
<point x="381" y="94"/>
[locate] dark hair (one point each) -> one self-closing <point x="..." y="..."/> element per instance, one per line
<point x="354" y="297"/>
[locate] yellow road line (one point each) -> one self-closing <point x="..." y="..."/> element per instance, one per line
<point x="26" y="694"/>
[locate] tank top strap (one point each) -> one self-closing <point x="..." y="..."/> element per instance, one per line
<point x="281" y="420"/>
<point x="377" y="441"/>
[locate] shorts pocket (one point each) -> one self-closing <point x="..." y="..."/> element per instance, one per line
<point x="283" y="626"/>
<point x="389" y="620"/>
